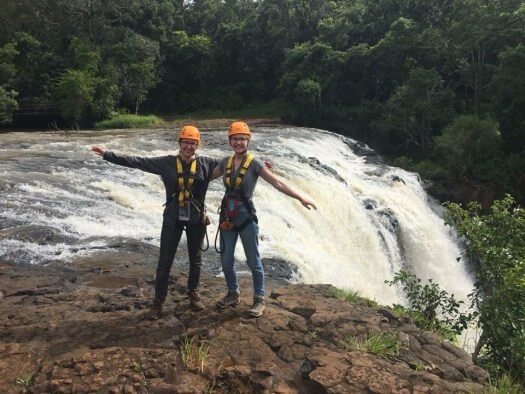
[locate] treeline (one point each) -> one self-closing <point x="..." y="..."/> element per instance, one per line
<point x="438" y="85"/>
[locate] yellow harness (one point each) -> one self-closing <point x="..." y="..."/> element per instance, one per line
<point x="242" y="171"/>
<point x="185" y="185"/>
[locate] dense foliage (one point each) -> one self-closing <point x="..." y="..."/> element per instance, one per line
<point x="496" y="242"/>
<point x="438" y="85"/>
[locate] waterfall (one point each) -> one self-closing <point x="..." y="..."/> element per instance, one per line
<point x="372" y="220"/>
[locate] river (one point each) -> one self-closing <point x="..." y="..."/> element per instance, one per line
<point x="372" y="219"/>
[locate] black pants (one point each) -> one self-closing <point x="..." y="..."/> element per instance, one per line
<point x="169" y="241"/>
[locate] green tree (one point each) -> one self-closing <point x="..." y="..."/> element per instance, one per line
<point x="136" y="59"/>
<point x="74" y="92"/>
<point x="417" y="110"/>
<point x="8" y="105"/>
<point x="8" y="102"/>
<point x="82" y="93"/>
<point x="478" y="30"/>
<point x="188" y="66"/>
<point x="471" y="149"/>
<point x="508" y="98"/>
<point x="312" y="78"/>
<point x="495" y="241"/>
<point x="36" y="66"/>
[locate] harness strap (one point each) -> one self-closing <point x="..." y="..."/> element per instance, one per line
<point x="185" y="184"/>
<point x="236" y="182"/>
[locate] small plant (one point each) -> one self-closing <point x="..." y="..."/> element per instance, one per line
<point x="312" y="333"/>
<point x="25" y="380"/>
<point x="138" y="368"/>
<point x="384" y="344"/>
<point x="420" y="366"/>
<point x="351" y="296"/>
<point x="202" y="354"/>
<point x="194" y="356"/>
<point x="505" y="385"/>
<point x="430" y="307"/>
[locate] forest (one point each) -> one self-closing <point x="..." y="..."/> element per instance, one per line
<point x="437" y="87"/>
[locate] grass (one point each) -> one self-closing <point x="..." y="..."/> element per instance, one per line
<point x="352" y="296"/>
<point x="435" y="325"/>
<point x="194" y="356"/>
<point x="138" y="368"/>
<point x="25" y="380"/>
<point x="383" y="344"/>
<point x="505" y="385"/>
<point x="129" y="121"/>
<point x="313" y="332"/>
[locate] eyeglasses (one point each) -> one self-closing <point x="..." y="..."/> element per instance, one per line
<point x="238" y="139"/>
<point x="189" y="143"/>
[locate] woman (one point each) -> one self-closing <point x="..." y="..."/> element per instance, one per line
<point x="240" y="173"/>
<point x="186" y="177"/>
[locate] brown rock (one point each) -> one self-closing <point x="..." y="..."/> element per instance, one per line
<point x="241" y="371"/>
<point x="283" y="388"/>
<point x="77" y="337"/>
<point x="456" y="351"/>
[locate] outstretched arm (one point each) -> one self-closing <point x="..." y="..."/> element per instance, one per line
<point x="155" y="165"/>
<point x="283" y="187"/>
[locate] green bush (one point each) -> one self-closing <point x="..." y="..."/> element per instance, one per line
<point x="431" y="308"/>
<point x="128" y="121"/>
<point x="496" y="242"/>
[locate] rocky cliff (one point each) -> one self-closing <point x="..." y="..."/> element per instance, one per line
<point x="83" y="328"/>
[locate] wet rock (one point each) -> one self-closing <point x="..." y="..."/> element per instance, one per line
<point x="323" y="168"/>
<point x="278" y="269"/>
<point x="397" y="178"/>
<point x="389" y="314"/>
<point x="363" y="150"/>
<point x="389" y="219"/>
<point x="40" y="235"/>
<point x="369" y="204"/>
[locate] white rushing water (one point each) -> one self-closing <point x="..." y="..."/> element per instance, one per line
<point x="372" y="220"/>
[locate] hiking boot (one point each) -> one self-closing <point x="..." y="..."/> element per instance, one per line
<point x="230" y="299"/>
<point x="195" y="301"/>
<point x="155" y="311"/>
<point x="257" y="308"/>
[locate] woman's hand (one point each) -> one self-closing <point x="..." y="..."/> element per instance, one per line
<point x="268" y="163"/>
<point x="307" y="203"/>
<point x="98" y="149"/>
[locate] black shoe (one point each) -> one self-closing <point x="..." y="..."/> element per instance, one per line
<point x="257" y="307"/>
<point x="230" y="299"/>
<point x="195" y="301"/>
<point x="155" y="311"/>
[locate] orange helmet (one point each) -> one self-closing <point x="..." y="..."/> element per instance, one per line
<point x="238" y="128"/>
<point x="190" y="133"/>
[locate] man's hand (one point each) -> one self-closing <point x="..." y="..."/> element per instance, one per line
<point x="98" y="149"/>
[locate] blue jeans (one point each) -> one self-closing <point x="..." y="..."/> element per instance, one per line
<point x="250" y="242"/>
